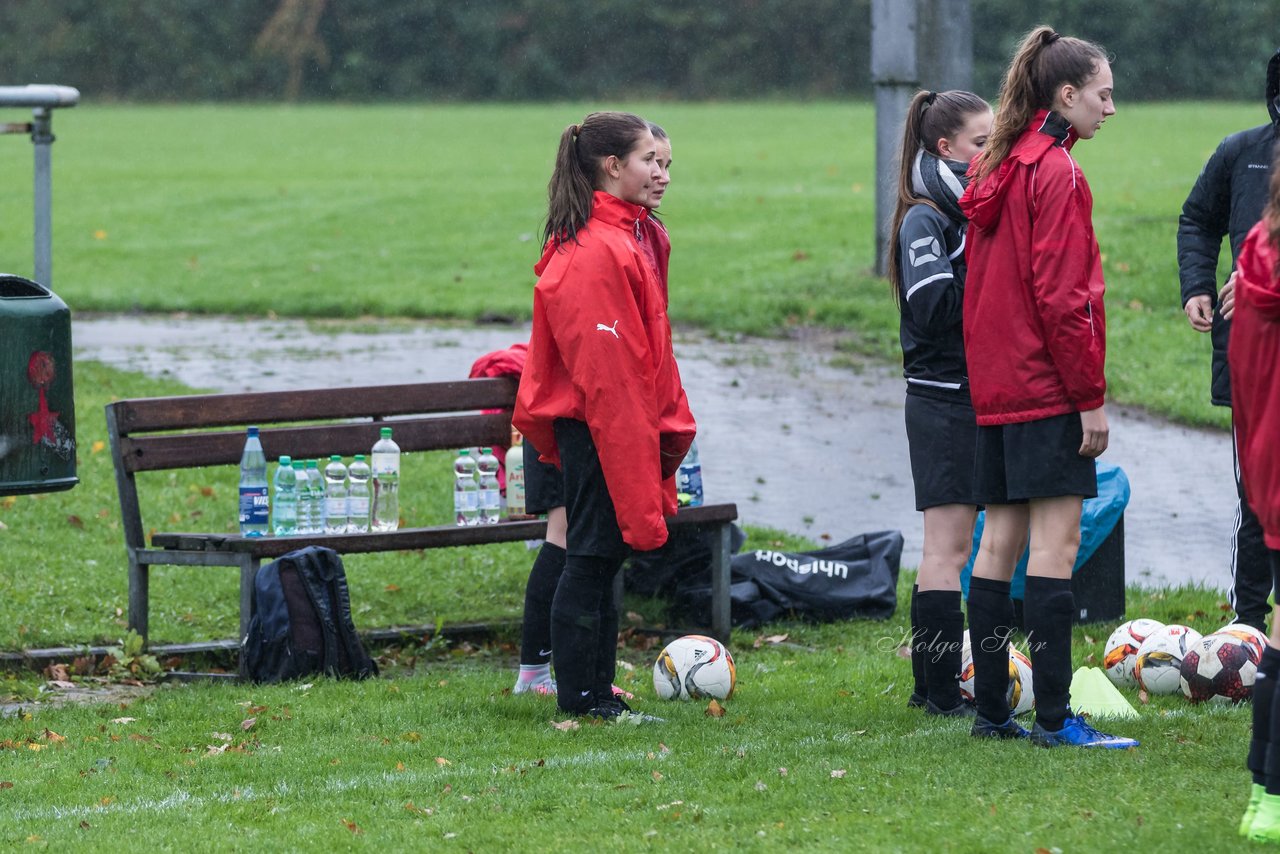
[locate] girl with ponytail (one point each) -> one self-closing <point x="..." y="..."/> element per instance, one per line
<point x="1035" y="343"/>
<point x="600" y="395"/>
<point x="943" y="132"/>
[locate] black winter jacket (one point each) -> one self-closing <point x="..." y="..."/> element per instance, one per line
<point x="1227" y="200"/>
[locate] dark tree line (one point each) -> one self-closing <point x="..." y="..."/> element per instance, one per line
<point x="180" y="50"/>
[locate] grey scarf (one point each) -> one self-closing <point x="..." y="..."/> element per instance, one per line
<point x="940" y="181"/>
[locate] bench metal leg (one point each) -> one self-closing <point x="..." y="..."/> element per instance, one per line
<point x="248" y="573"/>
<point x="139" y="590"/>
<point x="720" y="565"/>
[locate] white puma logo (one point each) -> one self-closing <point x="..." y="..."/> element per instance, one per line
<point x="612" y="330"/>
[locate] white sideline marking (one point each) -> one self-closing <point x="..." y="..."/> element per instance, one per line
<point x="182" y="799"/>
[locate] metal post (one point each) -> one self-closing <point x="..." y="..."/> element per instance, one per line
<point x="42" y="99"/>
<point x="896" y="79"/>
<point x="946" y="44"/>
<point x="42" y="139"/>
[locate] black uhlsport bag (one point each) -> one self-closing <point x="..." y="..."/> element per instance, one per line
<point x="301" y="624"/>
<point x="855" y="578"/>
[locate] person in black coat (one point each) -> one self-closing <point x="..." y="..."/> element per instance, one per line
<point x="1226" y="201"/>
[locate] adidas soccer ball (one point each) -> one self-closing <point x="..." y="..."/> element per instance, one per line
<point x="1021" y="695"/>
<point x="694" y="667"/>
<point x="1255" y="640"/>
<point x="1121" y="652"/>
<point x="1221" y="667"/>
<point x="1159" y="658"/>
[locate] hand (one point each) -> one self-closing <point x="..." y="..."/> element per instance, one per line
<point x="1096" y="432"/>
<point x="1227" y="297"/>
<point x="1199" y="311"/>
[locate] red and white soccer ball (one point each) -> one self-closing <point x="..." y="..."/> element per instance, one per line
<point x="1021" y="693"/>
<point x="694" y="667"/>
<point x="1256" y="640"/>
<point x="1121" y="652"/>
<point x="1221" y="668"/>
<point x="1159" y="660"/>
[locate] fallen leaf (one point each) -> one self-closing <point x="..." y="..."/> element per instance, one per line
<point x="418" y="810"/>
<point x="75" y="521"/>
<point x="663" y="748"/>
<point x="904" y="652"/>
<point x="6" y="784"/>
<point x="760" y="786"/>
<point x="247" y="724"/>
<point x="657" y="776"/>
<point x="777" y="638"/>
<point x="413" y="737"/>
<point x="1144" y="697"/>
<point x="782" y="772"/>
<point x="392" y="588"/>
<point x="53" y="736"/>
<point x="888" y="689"/>
<point x="1088" y="639"/>
<point x="207" y="491"/>
<point x="440" y="760"/>
<point x="62" y="683"/>
<point x="837" y="773"/>
<point x="352" y="826"/>
<point x="565" y="726"/>
<point x="714" y="710"/>
<point x="84" y="825"/>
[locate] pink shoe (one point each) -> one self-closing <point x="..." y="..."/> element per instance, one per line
<point x="623" y="693"/>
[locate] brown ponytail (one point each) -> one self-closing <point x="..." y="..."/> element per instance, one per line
<point x="582" y="150"/>
<point x="930" y="116"/>
<point x="1043" y="63"/>
<point x="1271" y="214"/>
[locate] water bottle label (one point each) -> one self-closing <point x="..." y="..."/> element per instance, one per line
<point x="470" y="501"/>
<point x="490" y="499"/>
<point x="335" y="506"/>
<point x="255" y="507"/>
<point x="358" y="507"/>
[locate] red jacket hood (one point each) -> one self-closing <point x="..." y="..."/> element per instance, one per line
<point x="983" y="200"/>
<point x="605" y="207"/>
<point x="1258" y="284"/>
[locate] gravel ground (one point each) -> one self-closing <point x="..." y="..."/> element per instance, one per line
<point x="801" y="437"/>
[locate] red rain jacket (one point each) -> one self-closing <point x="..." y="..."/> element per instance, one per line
<point x="1254" y="354"/>
<point x="600" y="352"/>
<point x="1034" y="328"/>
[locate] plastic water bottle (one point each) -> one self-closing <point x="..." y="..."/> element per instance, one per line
<point x="358" y="496"/>
<point x="335" y="496"/>
<point x="318" y="501"/>
<point x="515" y="476"/>
<point x="386" y="483"/>
<point x="255" y="504"/>
<point x="466" y="492"/>
<point x="304" y="497"/>
<point x="490" y="494"/>
<point x="689" y="478"/>
<point x="284" y="508"/>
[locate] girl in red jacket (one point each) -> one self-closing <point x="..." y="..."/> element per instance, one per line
<point x="1035" y="341"/>
<point x="601" y="395"/>
<point x="943" y="132"/>
<point x="1255" y="383"/>
<point x="545" y="489"/>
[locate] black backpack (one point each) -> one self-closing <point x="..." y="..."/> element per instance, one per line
<point x="301" y="622"/>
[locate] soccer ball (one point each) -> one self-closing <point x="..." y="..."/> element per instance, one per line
<point x="1021" y="695"/>
<point x="1121" y="652"/>
<point x="1255" y="640"/>
<point x="1221" y="668"/>
<point x="693" y="667"/>
<point x="1160" y="657"/>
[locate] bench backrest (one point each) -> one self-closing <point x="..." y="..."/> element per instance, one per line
<point x="160" y="433"/>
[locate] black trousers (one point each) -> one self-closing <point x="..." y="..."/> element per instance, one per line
<point x="1250" y="560"/>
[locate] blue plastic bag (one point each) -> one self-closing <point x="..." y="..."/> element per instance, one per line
<point x="1098" y="518"/>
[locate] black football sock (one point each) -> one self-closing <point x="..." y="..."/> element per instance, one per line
<point x="1264" y="758"/>
<point x="990" y="624"/>
<point x="942" y="626"/>
<point x="575" y="630"/>
<point x="1263" y="703"/>
<point x="535" y="629"/>
<point x="1048" y="607"/>
<point x="917" y="655"/>
<point x="607" y="639"/>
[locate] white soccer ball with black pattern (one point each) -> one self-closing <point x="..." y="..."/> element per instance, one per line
<point x="1159" y="664"/>
<point x="694" y="667"/>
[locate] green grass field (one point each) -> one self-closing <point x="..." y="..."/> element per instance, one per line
<point x="434" y="211"/>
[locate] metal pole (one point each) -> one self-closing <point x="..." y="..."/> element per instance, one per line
<point x="42" y="138"/>
<point x="894" y="73"/>
<point x="946" y="44"/>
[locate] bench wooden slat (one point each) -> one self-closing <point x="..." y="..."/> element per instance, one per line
<point x="274" y="407"/>
<point x="404" y="539"/>
<point x="193" y="450"/>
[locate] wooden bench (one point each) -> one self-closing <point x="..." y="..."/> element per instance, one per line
<point x="167" y="433"/>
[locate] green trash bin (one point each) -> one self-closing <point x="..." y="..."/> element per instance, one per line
<point x="37" y="408"/>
